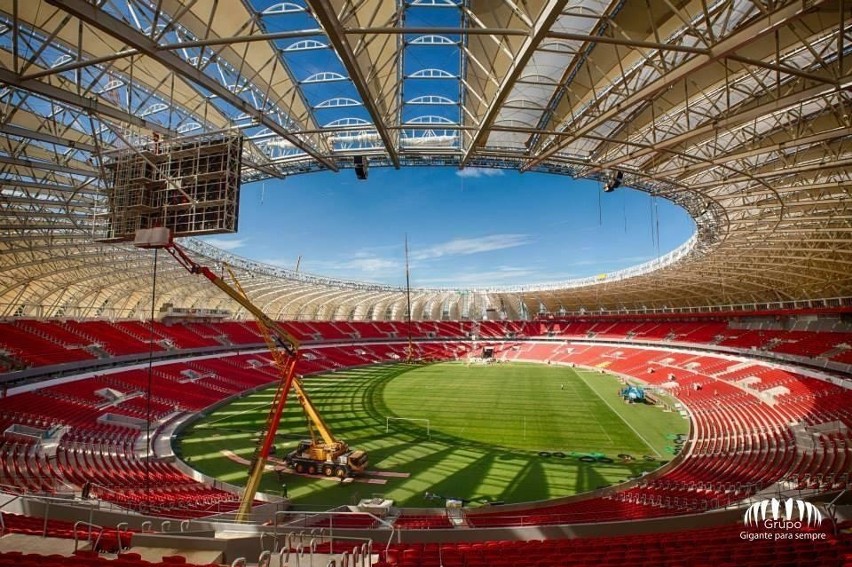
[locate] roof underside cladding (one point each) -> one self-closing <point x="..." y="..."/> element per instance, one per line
<point x="737" y="110"/>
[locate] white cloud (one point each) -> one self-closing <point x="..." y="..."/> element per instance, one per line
<point x="279" y="262"/>
<point x="371" y="265"/>
<point x="480" y="279"/>
<point x="499" y="276"/>
<point x="476" y="172"/>
<point x="226" y="244"/>
<point x="625" y="260"/>
<point x="358" y="265"/>
<point x="467" y="246"/>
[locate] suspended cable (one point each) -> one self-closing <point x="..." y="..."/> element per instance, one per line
<point x="148" y="393"/>
<point x="651" y="206"/>
<point x="657" y="224"/>
<point x="600" y="209"/>
<point x="408" y="301"/>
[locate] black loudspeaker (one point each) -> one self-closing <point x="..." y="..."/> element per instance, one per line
<point x="361" y="166"/>
<point x="614" y="182"/>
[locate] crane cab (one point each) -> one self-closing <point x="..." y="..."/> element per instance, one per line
<point x="335" y="460"/>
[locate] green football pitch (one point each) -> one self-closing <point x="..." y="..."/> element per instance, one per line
<point x="503" y="432"/>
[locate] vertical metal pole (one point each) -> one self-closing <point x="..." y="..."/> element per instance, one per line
<point x="408" y="299"/>
<point x="15" y="32"/>
<point x="148" y="394"/>
<point x="46" y="514"/>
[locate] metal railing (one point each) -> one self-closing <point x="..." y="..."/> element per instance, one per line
<point x="317" y="535"/>
<point x="90" y="527"/>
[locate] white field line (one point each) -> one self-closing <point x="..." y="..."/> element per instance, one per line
<point x="642" y="437"/>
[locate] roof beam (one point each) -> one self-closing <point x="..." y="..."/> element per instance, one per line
<point x="89" y="104"/>
<point x="209" y="42"/>
<point x="111" y="25"/>
<point x="760" y="27"/>
<point x="50" y="187"/>
<point x="784" y="69"/>
<point x="754" y="175"/>
<point x="722" y="123"/>
<point x="548" y="16"/>
<point x="12" y="130"/>
<point x="48" y="166"/>
<point x="794" y="142"/>
<point x="415" y="30"/>
<point x="627" y="42"/>
<point x="325" y="14"/>
<point x="727" y="122"/>
<point x="74" y="65"/>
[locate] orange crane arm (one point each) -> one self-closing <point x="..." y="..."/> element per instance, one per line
<point x="277" y="339"/>
<point x="285" y="362"/>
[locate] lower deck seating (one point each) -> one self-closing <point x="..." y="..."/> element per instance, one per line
<point x="422" y="522"/>
<point x="740" y="444"/>
<point x="105" y="456"/>
<point x="27" y="342"/>
<point x="714" y="547"/>
<point x="109" y="540"/>
<point x="89" y="559"/>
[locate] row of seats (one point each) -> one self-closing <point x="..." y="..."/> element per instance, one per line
<point x="740" y="443"/>
<point x="106" y="540"/>
<point x="716" y="547"/>
<point x="409" y="521"/>
<point x="90" y="559"/>
<point x="104" y="455"/>
<point x="41" y="343"/>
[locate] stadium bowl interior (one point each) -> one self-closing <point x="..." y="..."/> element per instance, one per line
<point x="120" y="116"/>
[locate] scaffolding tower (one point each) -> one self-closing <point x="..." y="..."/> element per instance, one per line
<point x="190" y="186"/>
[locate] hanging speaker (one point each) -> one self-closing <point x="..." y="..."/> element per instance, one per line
<point x="614" y="182"/>
<point x="361" y="166"/>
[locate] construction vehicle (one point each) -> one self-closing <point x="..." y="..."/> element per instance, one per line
<point x="324" y="454"/>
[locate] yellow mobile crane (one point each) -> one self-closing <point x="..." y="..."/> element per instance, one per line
<point x="326" y="454"/>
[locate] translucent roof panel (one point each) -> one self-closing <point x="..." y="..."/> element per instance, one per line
<point x="734" y="110"/>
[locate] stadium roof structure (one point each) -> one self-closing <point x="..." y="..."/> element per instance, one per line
<point x="737" y="110"/>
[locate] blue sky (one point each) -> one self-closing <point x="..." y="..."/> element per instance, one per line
<point x="471" y="228"/>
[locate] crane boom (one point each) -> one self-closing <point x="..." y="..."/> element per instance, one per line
<point x="288" y="342"/>
<point x="332" y="457"/>
<point x="285" y="363"/>
<point x="314" y="417"/>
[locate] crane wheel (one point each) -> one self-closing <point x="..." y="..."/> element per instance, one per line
<point x="340" y="472"/>
<point x="300" y="468"/>
<point x="312" y="469"/>
<point x="328" y="470"/>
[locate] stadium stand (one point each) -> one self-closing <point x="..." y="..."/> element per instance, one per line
<point x="741" y="410"/>
<point x="760" y="452"/>
<point x="717" y="547"/>
<point x="33" y="343"/>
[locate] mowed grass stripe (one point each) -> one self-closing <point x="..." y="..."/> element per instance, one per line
<point x="517" y="406"/>
<point x="650" y="423"/>
<point x="478" y="450"/>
